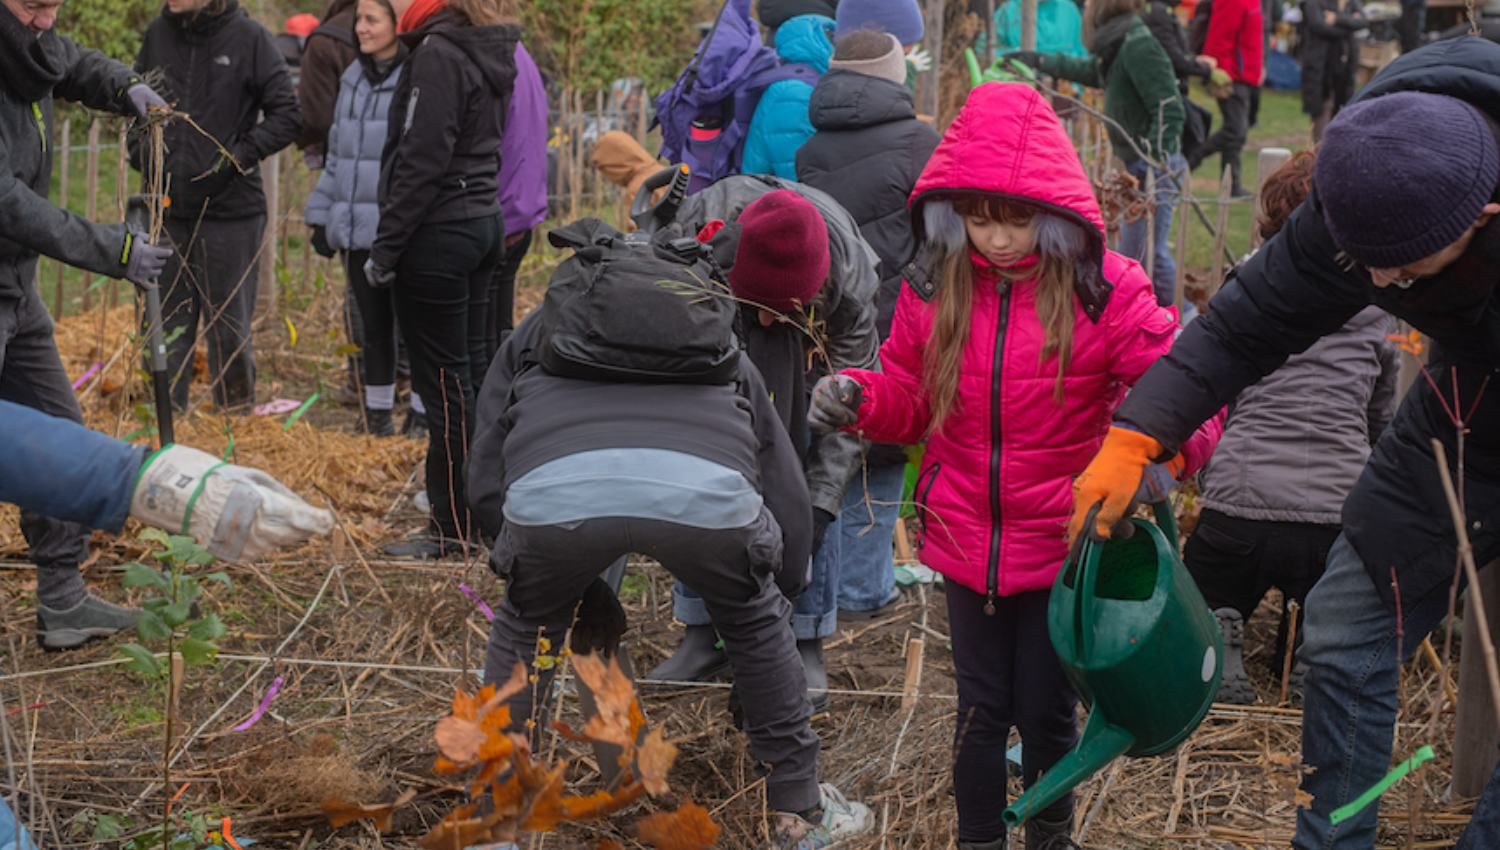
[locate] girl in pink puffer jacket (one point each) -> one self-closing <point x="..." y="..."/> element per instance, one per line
<point x="1014" y="339"/>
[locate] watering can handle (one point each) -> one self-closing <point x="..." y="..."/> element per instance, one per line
<point x="1086" y="548"/>
<point x="1166" y="518"/>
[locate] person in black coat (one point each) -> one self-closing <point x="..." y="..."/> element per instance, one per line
<point x="441" y="233"/>
<point x="1161" y="18"/>
<point x="224" y="70"/>
<point x="1395" y="222"/>
<point x="868" y="151"/>
<point x="1330" y="58"/>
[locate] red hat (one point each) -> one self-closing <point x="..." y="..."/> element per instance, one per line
<point x="301" y="25"/>
<point x="782" y="260"/>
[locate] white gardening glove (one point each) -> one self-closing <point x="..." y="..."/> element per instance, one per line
<point x="919" y="59"/>
<point x="237" y="513"/>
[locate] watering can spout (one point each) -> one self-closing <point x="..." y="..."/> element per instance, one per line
<point x="1102" y="743"/>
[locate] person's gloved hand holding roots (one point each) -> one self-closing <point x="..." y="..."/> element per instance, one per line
<point x="835" y="403"/>
<point x="235" y="512"/>
<point x="1114" y="480"/>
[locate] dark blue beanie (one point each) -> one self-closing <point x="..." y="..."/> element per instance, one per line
<point x="1402" y="176"/>
<point x="901" y="18"/>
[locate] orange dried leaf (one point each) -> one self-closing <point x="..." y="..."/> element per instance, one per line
<point x="608" y="844"/>
<point x="340" y="813"/>
<point x="654" y="760"/>
<point x="688" y="828"/>
<point x="508" y="796"/>
<point x="443" y="767"/>
<point x="613" y="696"/>
<point x="515" y="684"/>
<point x="546" y="808"/>
<point x="459" y="739"/>
<point x="568" y="733"/>
<point x="601" y="803"/>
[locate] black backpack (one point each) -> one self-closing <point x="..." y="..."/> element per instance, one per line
<point x="637" y="309"/>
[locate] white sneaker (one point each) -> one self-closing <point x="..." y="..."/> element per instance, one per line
<point x="842" y="817"/>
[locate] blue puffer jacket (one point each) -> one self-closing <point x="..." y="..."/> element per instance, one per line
<point x="781" y="122"/>
<point x="347" y="201"/>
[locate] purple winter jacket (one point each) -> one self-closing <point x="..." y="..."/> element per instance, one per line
<point x="523" y="150"/>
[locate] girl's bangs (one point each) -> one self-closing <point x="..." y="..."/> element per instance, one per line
<point x="1003" y="210"/>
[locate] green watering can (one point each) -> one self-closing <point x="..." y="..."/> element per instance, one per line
<point x="1138" y="642"/>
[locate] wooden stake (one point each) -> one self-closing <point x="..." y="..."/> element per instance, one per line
<point x="62" y="203"/>
<point x="90" y="199"/>
<point x="122" y="194"/>
<point x="1292" y="608"/>
<point x="1471" y="572"/>
<point x="1429" y="652"/>
<point x="913" y="678"/>
<point x="1150" y="187"/>
<point x="1267" y="160"/>
<point x="1179" y="287"/>
<point x="265" y="304"/>
<point x="1476" y="730"/>
<point x="904" y="554"/>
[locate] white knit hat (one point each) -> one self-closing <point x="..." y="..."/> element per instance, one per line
<point x="889" y="66"/>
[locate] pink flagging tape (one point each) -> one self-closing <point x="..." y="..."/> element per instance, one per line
<point x="84" y="378"/>
<point x="265" y="705"/>
<point x="484" y="608"/>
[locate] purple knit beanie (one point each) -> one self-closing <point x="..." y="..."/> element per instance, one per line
<point x="1402" y="176"/>
<point x="901" y="18"/>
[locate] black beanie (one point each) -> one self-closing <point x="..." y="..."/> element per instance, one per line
<point x="1402" y="176"/>
<point x="774" y="13"/>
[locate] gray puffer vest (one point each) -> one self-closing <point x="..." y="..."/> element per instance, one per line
<point x="1296" y="442"/>
<point x="347" y="199"/>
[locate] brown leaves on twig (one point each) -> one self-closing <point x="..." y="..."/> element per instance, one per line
<point x="525" y="795"/>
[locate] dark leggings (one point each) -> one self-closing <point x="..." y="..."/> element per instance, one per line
<point x="377" y="318"/>
<point x="503" y="291"/>
<point x="442" y="292"/>
<point x="1008" y="675"/>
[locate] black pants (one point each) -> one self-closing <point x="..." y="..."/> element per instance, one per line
<point x="1008" y="675"/>
<point x="503" y="291"/>
<point x="1235" y="561"/>
<point x="209" y="284"/>
<point x="547" y="569"/>
<point x="32" y="374"/>
<point x="371" y="324"/>
<point x="1229" y="141"/>
<point x="442" y="295"/>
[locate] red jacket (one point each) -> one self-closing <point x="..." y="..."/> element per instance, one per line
<point x="1236" y="39"/>
<point x="995" y="490"/>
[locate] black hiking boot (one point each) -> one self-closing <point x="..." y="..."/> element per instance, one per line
<point x="1055" y="834"/>
<point x="998" y="844"/>
<point x="378" y="423"/>
<point x="816" y="673"/>
<point x="698" y="658"/>
<point x="1234" y="686"/>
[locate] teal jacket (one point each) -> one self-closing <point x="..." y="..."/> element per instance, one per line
<point x="1059" y="27"/>
<point x="781" y="122"/>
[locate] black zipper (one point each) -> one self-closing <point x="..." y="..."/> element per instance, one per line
<point x="992" y="576"/>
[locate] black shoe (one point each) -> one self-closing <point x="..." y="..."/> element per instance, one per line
<point x="378" y="423"/>
<point x="998" y="844"/>
<point x="427" y="547"/>
<point x="414" y="426"/>
<point x="816" y="673"/>
<point x="698" y="658"/>
<point x="1234" y="685"/>
<point x="1043" y="834"/>
<point x="1240" y="193"/>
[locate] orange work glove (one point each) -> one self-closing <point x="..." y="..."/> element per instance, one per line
<point x="1112" y="479"/>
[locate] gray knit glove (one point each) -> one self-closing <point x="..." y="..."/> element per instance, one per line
<point x="835" y="403"/>
<point x="143" y="97"/>
<point x="144" y="262"/>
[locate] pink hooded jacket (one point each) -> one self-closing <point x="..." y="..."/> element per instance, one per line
<point x="995" y="489"/>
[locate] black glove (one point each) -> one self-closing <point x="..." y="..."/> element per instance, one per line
<point x="378" y="276"/>
<point x="1029" y="58"/>
<point x="835" y="403"/>
<point x="320" y="242"/>
<point x="821" y="520"/>
<point x="601" y="621"/>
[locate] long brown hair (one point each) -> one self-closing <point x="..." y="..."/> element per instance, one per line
<point x="1059" y="242"/>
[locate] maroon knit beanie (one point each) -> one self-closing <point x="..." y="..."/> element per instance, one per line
<point x="782" y="258"/>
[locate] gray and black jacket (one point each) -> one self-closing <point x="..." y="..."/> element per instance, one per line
<point x="32" y="70"/>
<point x="845" y="308"/>
<point x="224" y="70"/>
<point x="1299" y="288"/>
<point x="526" y="417"/>
<point x="442" y="152"/>
<point x="1296" y="442"/>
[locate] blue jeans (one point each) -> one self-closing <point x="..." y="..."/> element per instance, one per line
<point x="870" y="583"/>
<point x="1134" y="238"/>
<point x="865" y="534"/>
<point x="1349" y="704"/>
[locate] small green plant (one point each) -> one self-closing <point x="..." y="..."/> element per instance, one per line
<point x="170" y="616"/>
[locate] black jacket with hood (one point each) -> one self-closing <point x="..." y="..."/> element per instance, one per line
<point x="868" y="151"/>
<point x="1330" y="53"/>
<point x="1161" y="18"/>
<point x="224" y="70"/>
<point x="442" y="152"/>
<point x="1298" y="288"/>
<point x="329" y="51"/>
<point x="34" y="68"/>
<point x="527" y="417"/>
